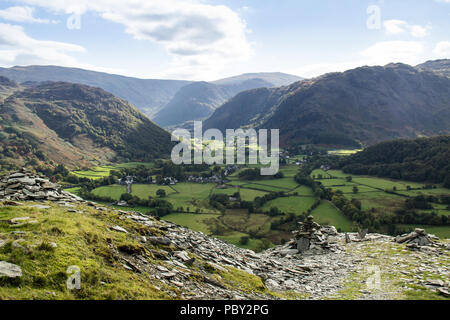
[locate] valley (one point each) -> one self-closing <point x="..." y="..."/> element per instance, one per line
<point x="341" y="165"/>
<point x="271" y="223"/>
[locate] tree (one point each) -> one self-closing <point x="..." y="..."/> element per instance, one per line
<point x="126" y="197"/>
<point x="161" y="193"/>
<point x="447" y="181"/>
<point x="244" y="240"/>
<point x="274" y="211"/>
<point x="349" y="179"/>
<point x="355" y="189"/>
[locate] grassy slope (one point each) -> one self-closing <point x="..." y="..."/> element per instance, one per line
<point x="82" y="241"/>
<point x="327" y="214"/>
<point x="86" y="240"/>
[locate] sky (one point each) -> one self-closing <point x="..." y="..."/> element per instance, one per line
<point x="213" y="39"/>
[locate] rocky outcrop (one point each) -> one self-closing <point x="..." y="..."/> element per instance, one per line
<point x="24" y="185"/>
<point x="312" y="236"/>
<point x="416" y="239"/>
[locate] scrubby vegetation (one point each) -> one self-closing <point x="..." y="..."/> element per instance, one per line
<point x="420" y="160"/>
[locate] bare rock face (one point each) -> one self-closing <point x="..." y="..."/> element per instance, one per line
<point x="24" y="185"/>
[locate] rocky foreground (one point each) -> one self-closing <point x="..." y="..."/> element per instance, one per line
<point x="39" y="239"/>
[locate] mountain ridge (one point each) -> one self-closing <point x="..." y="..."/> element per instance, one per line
<point x="149" y="95"/>
<point x="198" y="100"/>
<point x="360" y="106"/>
<point x="75" y="124"/>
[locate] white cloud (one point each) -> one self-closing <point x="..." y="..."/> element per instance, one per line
<point x="17" y="48"/>
<point x="394" y="27"/>
<point x="201" y="38"/>
<point x="381" y="53"/>
<point x="442" y="49"/>
<point x="397" y="27"/>
<point x="410" y="52"/>
<point x="22" y="14"/>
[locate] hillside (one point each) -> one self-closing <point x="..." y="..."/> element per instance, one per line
<point x="147" y="94"/>
<point x="361" y="106"/>
<point x="441" y="67"/>
<point x="198" y="100"/>
<point x="74" y="124"/>
<point x="124" y="255"/>
<point x="425" y="159"/>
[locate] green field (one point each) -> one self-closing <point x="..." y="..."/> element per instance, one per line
<point x="304" y="191"/>
<point x="371" y="190"/>
<point x="103" y="171"/>
<point x="192" y="196"/>
<point x="246" y="194"/>
<point x="263" y="187"/>
<point x="378" y="199"/>
<point x="344" y="152"/>
<point x="321" y="172"/>
<point x="144" y="191"/>
<point x="327" y="214"/>
<point x="283" y="183"/>
<point x="197" y="222"/>
<point x="113" y="191"/>
<point x="296" y="205"/>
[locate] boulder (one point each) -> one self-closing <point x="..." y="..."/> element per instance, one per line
<point x="24" y="185"/>
<point x="10" y="270"/>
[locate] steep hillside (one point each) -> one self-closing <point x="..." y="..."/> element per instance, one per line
<point x="74" y="124"/>
<point x="441" y="67"/>
<point x="146" y="94"/>
<point x="254" y="106"/>
<point x="361" y="106"/>
<point x="7" y="87"/>
<point x="425" y="159"/>
<point x="198" y="100"/>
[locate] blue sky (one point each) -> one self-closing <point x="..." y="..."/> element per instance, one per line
<point x="212" y="39"/>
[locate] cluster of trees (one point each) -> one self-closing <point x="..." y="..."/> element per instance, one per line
<point x="373" y="219"/>
<point x="421" y="160"/>
<point x="255" y="174"/>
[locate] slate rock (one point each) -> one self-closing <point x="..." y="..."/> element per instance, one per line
<point x="10" y="270"/>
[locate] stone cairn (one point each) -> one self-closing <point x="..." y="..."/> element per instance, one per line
<point x="23" y="185"/>
<point x="416" y="239"/>
<point x="312" y="236"/>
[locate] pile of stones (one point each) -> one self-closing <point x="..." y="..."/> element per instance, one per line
<point x="23" y="185"/>
<point x="313" y="236"/>
<point x="416" y="239"/>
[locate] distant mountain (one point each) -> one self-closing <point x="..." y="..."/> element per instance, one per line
<point x="75" y="124"/>
<point x="441" y="67"/>
<point x="198" y="100"/>
<point x="424" y="159"/>
<point x="146" y="94"/>
<point x="273" y="79"/>
<point x="361" y="106"/>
